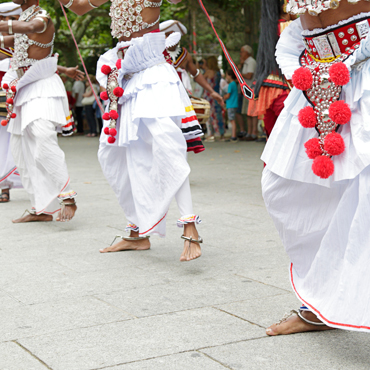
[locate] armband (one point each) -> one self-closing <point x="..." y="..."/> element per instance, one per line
<point x="43" y="21"/>
<point x="2" y="45"/>
<point x="92" y="5"/>
<point x="10" y="25"/>
<point x="69" y="4"/>
<point x="196" y="75"/>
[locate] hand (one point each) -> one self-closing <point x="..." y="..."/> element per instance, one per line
<point x="218" y="98"/>
<point x="75" y="73"/>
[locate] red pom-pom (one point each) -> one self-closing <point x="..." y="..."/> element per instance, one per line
<point x="6" y="86"/>
<point x="302" y="78"/>
<point x="113" y="114"/>
<point x="104" y="95"/>
<point x="4" y="122"/>
<point x="112" y="132"/>
<point x="118" y="91"/>
<point x="334" y="144"/>
<point x="313" y="148"/>
<point x="323" y="167"/>
<point x="106" y="69"/>
<point x="111" y="140"/>
<point x="106" y="117"/>
<point x="339" y="74"/>
<point x="119" y="63"/>
<point x="106" y="130"/>
<point x="339" y="112"/>
<point x="14" y="115"/>
<point x="307" y="117"/>
<point x="13" y="88"/>
<point x="10" y="101"/>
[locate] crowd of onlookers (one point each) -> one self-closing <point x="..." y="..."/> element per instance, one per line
<point x="234" y="115"/>
<point x="82" y="103"/>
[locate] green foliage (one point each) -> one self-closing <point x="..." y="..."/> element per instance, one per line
<point x="92" y="31"/>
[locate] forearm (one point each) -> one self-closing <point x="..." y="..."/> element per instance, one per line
<point x="81" y="7"/>
<point x="203" y="82"/>
<point x="6" y="41"/>
<point x="21" y="27"/>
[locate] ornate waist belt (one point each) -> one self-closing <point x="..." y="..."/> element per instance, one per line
<point x="337" y="41"/>
<point x="20" y="71"/>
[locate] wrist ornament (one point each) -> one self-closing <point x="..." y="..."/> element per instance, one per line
<point x="2" y="45"/>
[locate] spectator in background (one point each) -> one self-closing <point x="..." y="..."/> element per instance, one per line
<point x="232" y="102"/>
<point x="213" y="76"/>
<point x="248" y="69"/>
<point x="88" y="101"/>
<point x="197" y="89"/>
<point x="78" y="90"/>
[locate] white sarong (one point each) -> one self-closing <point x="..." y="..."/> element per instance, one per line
<point x="147" y="164"/>
<point x="41" y="107"/>
<point x="324" y="223"/>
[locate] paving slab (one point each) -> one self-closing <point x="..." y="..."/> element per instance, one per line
<point x="14" y="357"/>
<point x="37" y="319"/>
<point x="139" y="339"/>
<point x="181" y="361"/>
<point x="188" y="294"/>
<point x="334" y="350"/>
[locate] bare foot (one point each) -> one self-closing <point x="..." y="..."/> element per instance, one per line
<point x="33" y="218"/>
<point x="294" y="324"/>
<point x="191" y="250"/>
<point x="128" y="245"/>
<point x="68" y="210"/>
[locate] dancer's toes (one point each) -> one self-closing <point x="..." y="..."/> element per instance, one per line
<point x="33" y="218"/>
<point x="128" y="245"/>
<point x="190" y="252"/>
<point x="294" y="324"/>
<point x="67" y="211"/>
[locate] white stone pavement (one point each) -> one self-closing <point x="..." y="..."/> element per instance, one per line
<point x="64" y="306"/>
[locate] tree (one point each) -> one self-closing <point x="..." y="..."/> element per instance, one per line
<point x="235" y="20"/>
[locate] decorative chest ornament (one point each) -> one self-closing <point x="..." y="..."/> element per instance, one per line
<point x="322" y="84"/>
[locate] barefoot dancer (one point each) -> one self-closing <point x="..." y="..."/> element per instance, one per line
<point x="144" y="155"/>
<point x="317" y="176"/>
<point x="9" y="176"/>
<point x="37" y="104"/>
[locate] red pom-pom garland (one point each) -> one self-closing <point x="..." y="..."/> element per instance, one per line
<point x="307" y="117"/>
<point x="323" y="167"/>
<point x="339" y="74"/>
<point x="13" y="115"/>
<point x="13" y="88"/>
<point x="334" y="144"/>
<point x="5" y="86"/>
<point x="10" y="101"/>
<point x="119" y="63"/>
<point x="106" y="69"/>
<point x="4" y="122"/>
<point x="302" y="78"/>
<point x="313" y="148"/>
<point x="339" y="112"/>
<point x="111" y="140"/>
<point x="112" y="132"/>
<point x="106" y="130"/>
<point x="113" y="114"/>
<point x="118" y="91"/>
<point x="106" y="116"/>
<point x="104" y="95"/>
